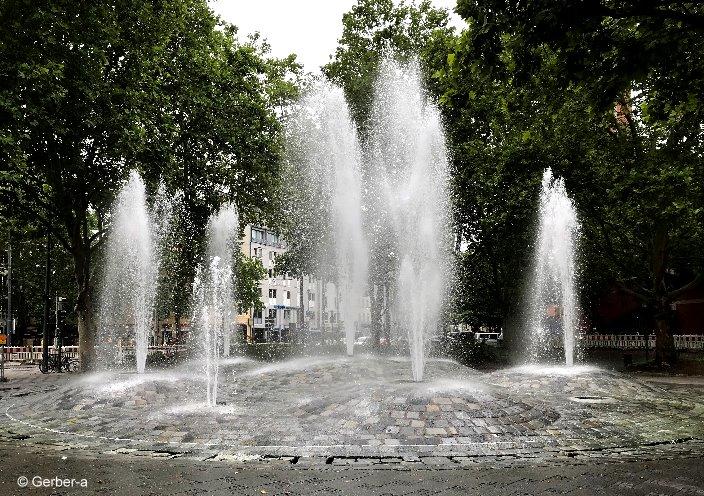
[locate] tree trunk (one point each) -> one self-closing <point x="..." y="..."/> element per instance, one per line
<point x="375" y="316"/>
<point x="176" y="334"/>
<point x="664" y="340"/>
<point x="387" y="315"/>
<point x="86" y="331"/>
<point x="85" y="314"/>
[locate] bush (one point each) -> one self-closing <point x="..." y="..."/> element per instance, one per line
<point x="466" y="350"/>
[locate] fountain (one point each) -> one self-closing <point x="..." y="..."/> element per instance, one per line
<point x="409" y="158"/>
<point x="214" y="295"/>
<point x="553" y="301"/>
<point x="129" y="280"/>
<point x="405" y="162"/>
<point x="325" y="136"/>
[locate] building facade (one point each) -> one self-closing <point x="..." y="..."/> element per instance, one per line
<point x="285" y="316"/>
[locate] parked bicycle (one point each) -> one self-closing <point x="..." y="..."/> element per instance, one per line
<point x="67" y="364"/>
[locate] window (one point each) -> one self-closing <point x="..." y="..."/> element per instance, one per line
<point x="272" y="313"/>
<point x="271" y="273"/>
<point x="288" y="295"/>
<point x="258" y="252"/>
<point x="257" y="313"/>
<point x="257" y="235"/>
<point x="272" y="293"/>
<point x="287" y="314"/>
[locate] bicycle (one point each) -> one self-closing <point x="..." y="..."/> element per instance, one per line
<point x="67" y="364"/>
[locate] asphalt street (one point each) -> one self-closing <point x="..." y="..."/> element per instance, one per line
<point x="129" y="475"/>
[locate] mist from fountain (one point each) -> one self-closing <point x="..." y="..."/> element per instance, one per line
<point x="553" y="302"/>
<point x="214" y="305"/>
<point x="409" y="158"/>
<point x="128" y="285"/>
<point x="324" y="137"/>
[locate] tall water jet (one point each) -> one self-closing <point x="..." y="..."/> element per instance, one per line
<point x="325" y="139"/>
<point x="409" y="156"/>
<point x="214" y="295"/>
<point x="129" y="280"/>
<point x="553" y="305"/>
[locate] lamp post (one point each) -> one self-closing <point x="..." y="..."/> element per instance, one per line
<point x="9" y="327"/>
<point x="47" y="289"/>
<point x="59" y="314"/>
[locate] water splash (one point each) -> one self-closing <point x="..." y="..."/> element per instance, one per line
<point x="552" y="370"/>
<point x="324" y="137"/>
<point x="410" y="160"/>
<point x="214" y="295"/>
<point x="129" y="281"/>
<point x="553" y="306"/>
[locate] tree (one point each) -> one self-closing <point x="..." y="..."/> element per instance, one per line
<point x="90" y="91"/>
<point x="28" y="271"/>
<point x="605" y="44"/>
<point x="492" y="126"/>
<point x="248" y="274"/>
<point x="205" y="173"/>
<point x="373" y="29"/>
<point x="610" y="102"/>
<point x="640" y="195"/>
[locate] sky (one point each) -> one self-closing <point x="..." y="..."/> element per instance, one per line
<point x="308" y="28"/>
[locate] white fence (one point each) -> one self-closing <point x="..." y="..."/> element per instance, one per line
<point x="20" y="353"/>
<point x="630" y="341"/>
<point x="28" y="353"/>
<point x="166" y="349"/>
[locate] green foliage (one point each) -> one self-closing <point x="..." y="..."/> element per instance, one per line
<point x="606" y="98"/>
<point x="373" y="29"/>
<point x="608" y="46"/>
<point x="496" y="171"/>
<point x="91" y="90"/>
<point x="249" y="272"/>
<point x="28" y="272"/>
<point x="226" y="151"/>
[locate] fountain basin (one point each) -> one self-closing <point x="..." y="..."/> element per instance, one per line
<point x="361" y="406"/>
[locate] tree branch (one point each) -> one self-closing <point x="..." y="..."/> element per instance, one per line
<point x="692" y="19"/>
<point x="642" y="297"/>
<point x="690" y="285"/>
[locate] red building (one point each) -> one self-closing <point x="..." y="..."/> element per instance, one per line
<point x="619" y="311"/>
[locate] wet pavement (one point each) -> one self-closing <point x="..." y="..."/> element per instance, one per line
<point x="365" y="408"/>
<point x="673" y="471"/>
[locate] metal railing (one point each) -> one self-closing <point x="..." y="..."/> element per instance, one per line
<point x="631" y="341"/>
<point x="34" y="353"/>
<point x="164" y="349"/>
<point x="22" y="353"/>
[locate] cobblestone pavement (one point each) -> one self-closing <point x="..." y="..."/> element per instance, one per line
<point x="675" y="471"/>
<point x="363" y="409"/>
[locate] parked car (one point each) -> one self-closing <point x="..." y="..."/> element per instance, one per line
<point x="489" y="337"/>
<point x="362" y="340"/>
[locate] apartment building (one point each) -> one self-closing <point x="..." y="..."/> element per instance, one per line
<point x="279" y="318"/>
